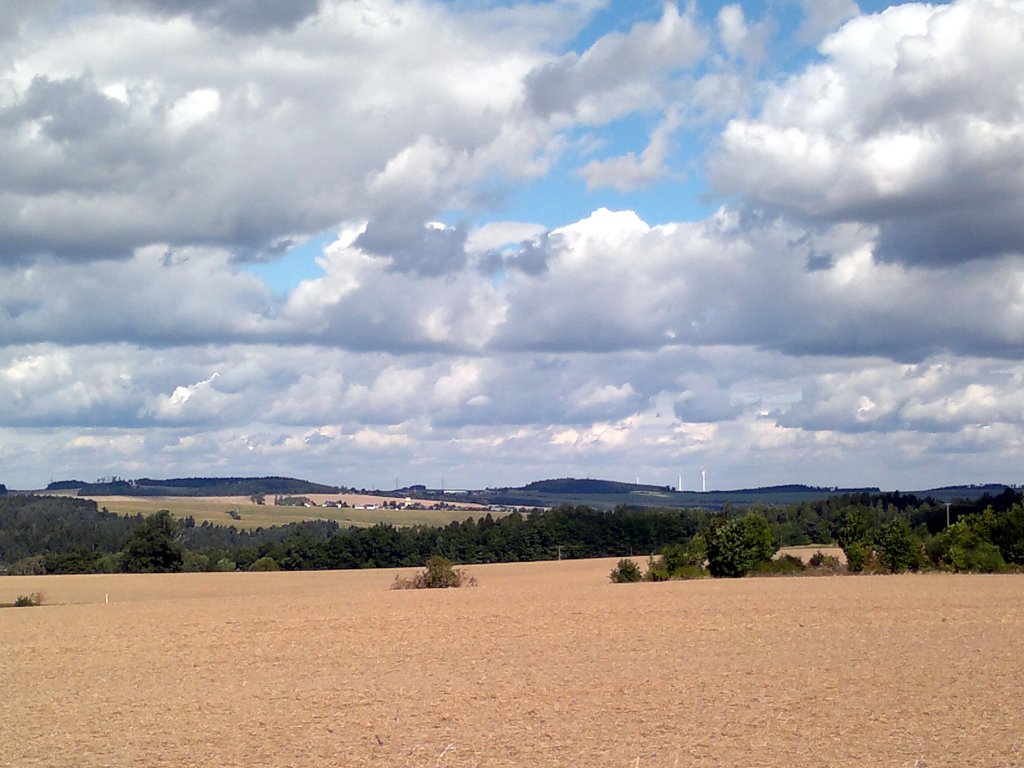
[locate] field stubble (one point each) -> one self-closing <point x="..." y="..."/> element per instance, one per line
<point x="544" y="664"/>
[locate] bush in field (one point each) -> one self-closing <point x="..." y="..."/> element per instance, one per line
<point x="625" y="572"/>
<point x="821" y="562"/>
<point x="27" y="601"/>
<point x="1007" y="533"/>
<point x="656" y="570"/>
<point x="856" y="556"/>
<point x="787" y="565"/>
<point x="735" y="546"/>
<point x="29" y="566"/>
<point x="966" y="545"/>
<point x="194" y="562"/>
<point x="265" y="564"/>
<point x="679" y="561"/>
<point x="440" y="573"/>
<point x="898" y="548"/>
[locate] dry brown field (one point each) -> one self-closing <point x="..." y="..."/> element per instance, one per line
<point x="214" y="509"/>
<point x="544" y="664"/>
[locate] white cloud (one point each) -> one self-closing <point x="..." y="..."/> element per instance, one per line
<point x="913" y="121"/>
<point x="207" y="138"/>
<point x="854" y="314"/>
<point x="620" y="72"/>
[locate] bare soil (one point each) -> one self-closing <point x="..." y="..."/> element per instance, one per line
<point x="544" y="664"/>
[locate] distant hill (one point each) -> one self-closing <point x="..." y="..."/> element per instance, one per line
<point x="203" y="486"/>
<point x="65" y="485"/>
<point x="573" y="485"/>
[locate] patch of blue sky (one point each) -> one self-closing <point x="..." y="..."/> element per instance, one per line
<point x="562" y="196"/>
<point x="616" y="16"/>
<point x="282" y="274"/>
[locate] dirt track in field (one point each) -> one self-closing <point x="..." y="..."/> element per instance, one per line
<point x="543" y="664"/>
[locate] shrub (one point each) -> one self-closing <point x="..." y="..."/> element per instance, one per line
<point x="678" y="561"/>
<point x="27" y="601"/>
<point x="898" y="548"/>
<point x="29" y="566"/>
<point x="440" y="573"/>
<point x="966" y="546"/>
<point x="981" y="557"/>
<point x="856" y="556"/>
<point x="265" y="563"/>
<point x="1008" y="534"/>
<point x="821" y="562"/>
<point x="656" y="570"/>
<point x="195" y="562"/>
<point x="691" y="554"/>
<point x="687" y="572"/>
<point x="735" y="546"/>
<point x="786" y="565"/>
<point x="625" y="572"/>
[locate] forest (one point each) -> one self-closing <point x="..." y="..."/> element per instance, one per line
<point x="881" y="532"/>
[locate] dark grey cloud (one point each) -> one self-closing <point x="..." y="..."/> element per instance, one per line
<point x="237" y="16"/>
<point x="66" y="110"/>
<point x="425" y="250"/>
<point x="707" y="407"/>
<point x="530" y="257"/>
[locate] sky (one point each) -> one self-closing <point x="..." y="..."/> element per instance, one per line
<point x="382" y="242"/>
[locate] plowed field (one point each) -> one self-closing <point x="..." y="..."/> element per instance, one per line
<point x="544" y="664"/>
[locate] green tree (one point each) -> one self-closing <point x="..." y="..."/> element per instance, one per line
<point x="153" y="546"/>
<point x="1008" y="534"/>
<point x="735" y="546"/>
<point x="897" y="545"/>
<point x="966" y="545"/>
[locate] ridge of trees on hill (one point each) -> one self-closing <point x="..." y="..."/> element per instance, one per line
<point x="881" y="533"/>
<point x="572" y="485"/>
<point x="196" y="486"/>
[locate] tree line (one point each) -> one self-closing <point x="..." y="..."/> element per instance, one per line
<point x="877" y="531"/>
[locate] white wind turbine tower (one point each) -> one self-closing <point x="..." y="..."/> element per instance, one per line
<point x="703" y="481"/>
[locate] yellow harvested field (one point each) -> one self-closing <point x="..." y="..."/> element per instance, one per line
<point x="543" y="664"/>
<point x="215" y="509"/>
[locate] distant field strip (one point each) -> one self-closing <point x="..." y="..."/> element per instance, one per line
<point x="216" y="509"/>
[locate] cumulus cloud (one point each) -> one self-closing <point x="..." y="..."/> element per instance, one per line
<point x="913" y="122"/>
<point x="119" y="138"/>
<point x="620" y="72"/>
<point x="161" y="295"/>
<point x="239" y="16"/>
<point x="854" y="313"/>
